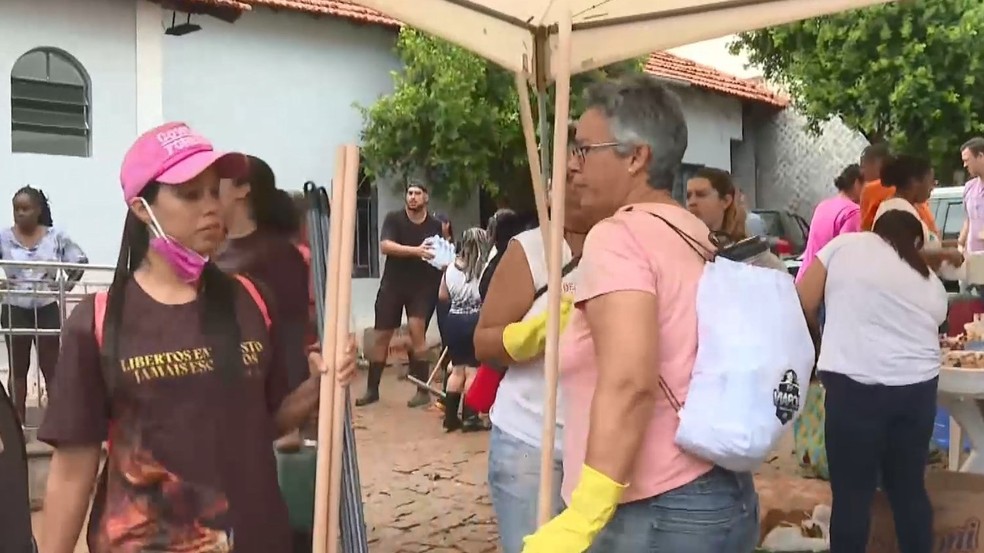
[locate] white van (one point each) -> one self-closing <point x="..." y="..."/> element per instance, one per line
<point x="946" y="205"/>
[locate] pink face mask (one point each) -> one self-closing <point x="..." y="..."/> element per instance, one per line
<point x="186" y="263"/>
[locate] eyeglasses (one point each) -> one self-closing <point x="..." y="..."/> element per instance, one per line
<point x="580" y="151"/>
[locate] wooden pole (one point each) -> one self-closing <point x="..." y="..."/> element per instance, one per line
<point x="437" y="367"/>
<point x="562" y="62"/>
<point x="326" y="407"/>
<point x="536" y="172"/>
<point x="344" y="305"/>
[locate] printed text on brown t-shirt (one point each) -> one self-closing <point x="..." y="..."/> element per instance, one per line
<point x="186" y="362"/>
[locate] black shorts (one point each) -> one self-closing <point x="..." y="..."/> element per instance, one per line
<point x="393" y="301"/>
<point x="459" y="330"/>
<point x="46" y="317"/>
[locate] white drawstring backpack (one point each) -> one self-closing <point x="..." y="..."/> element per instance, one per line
<point x="754" y="361"/>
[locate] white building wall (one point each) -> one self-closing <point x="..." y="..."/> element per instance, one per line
<point x="279" y="85"/>
<point x="85" y="195"/>
<point x="713" y="121"/>
<point x="284" y="86"/>
<point x="276" y="84"/>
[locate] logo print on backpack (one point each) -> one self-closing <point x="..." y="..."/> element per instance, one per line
<point x="786" y="397"/>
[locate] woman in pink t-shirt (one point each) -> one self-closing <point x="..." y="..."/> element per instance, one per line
<point x="835" y="216"/>
<point x="628" y="351"/>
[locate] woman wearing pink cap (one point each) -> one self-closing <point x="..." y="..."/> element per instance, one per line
<point x="175" y="368"/>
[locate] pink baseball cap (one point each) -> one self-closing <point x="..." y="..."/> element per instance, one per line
<point x="174" y="154"/>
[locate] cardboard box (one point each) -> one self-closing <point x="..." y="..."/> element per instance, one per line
<point x="958" y="508"/>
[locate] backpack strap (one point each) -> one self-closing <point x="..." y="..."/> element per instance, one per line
<point x="564" y="271"/>
<point x="254" y="293"/>
<point x="100" y="316"/>
<point x="707" y="255"/>
<point x="700" y="249"/>
<point x="102" y="298"/>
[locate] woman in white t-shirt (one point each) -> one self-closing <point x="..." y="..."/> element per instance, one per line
<point x="459" y="287"/>
<point x="515" y="307"/>
<point x="914" y="181"/>
<point x="879" y="362"/>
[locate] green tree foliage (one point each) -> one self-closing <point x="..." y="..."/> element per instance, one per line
<point x="909" y="73"/>
<point x="454" y="118"/>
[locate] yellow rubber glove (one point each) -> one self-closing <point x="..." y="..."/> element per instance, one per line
<point x="527" y="339"/>
<point x="592" y="505"/>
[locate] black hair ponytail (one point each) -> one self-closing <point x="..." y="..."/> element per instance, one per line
<point x="216" y="295"/>
<point x="904" y="232"/>
<point x="41" y="200"/>
<point x="850" y="175"/>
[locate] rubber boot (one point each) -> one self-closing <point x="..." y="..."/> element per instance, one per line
<point x="372" y="385"/>
<point x="418" y="368"/>
<point x="451" y="420"/>
<point x="470" y="421"/>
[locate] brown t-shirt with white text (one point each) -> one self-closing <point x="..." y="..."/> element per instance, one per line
<point x="190" y="467"/>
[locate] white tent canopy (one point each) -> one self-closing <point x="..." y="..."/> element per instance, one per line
<point x="513" y="33"/>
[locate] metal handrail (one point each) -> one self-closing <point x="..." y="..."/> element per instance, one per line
<point x="45" y="293"/>
<point x="63" y="265"/>
<point x="67" y="293"/>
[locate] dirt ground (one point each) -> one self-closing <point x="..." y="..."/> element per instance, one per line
<point x="425" y="491"/>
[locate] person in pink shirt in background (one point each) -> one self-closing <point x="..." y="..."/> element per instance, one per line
<point x="972" y="234"/>
<point x="835" y="216"/>
<point x="628" y="351"/>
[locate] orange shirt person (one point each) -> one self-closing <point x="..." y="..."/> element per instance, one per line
<point x="874" y="193"/>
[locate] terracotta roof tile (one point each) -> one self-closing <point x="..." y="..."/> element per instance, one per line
<point x="336" y="8"/>
<point x="671" y="66"/>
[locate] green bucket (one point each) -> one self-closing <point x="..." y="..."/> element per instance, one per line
<point x="296" y="473"/>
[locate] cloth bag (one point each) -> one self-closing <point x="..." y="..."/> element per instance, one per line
<point x="752" y="371"/>
<point x="809" y="436"/>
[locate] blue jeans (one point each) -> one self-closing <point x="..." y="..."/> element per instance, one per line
<point x="717" y="513"/>
<point x="514" y="482"/>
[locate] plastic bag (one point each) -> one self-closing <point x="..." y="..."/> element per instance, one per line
<point x="753" y="365"/>
<point x="443" y="252"/>
<point x="809" y="436"/>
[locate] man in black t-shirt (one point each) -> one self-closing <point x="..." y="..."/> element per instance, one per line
<point x="409" y="284"/>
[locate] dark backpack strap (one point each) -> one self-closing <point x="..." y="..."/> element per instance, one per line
<point x="700" y="249"/>
<point x="706" y="254"/>
<point x="566" y="270"/>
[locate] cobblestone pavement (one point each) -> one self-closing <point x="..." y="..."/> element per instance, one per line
<point x="424" y="490"/>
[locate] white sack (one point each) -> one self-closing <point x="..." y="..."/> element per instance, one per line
<point x="753" y="366"/>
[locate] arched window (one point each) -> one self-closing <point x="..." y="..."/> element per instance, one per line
<point x="49" y="101"/>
